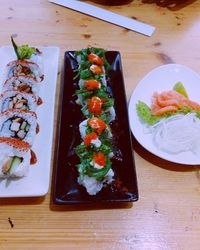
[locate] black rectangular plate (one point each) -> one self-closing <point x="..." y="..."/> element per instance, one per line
<point x="66" y="189"/>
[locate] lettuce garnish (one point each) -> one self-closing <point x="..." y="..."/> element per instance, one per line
<point x="23" y="52"/>
<point x="144" y="113"/>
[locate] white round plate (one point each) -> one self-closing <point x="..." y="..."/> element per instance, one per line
<point x="159" y="79"/>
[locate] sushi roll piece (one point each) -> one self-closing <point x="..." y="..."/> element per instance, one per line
<point x="24" y="68"/>
<point x="26" y="52"/>
<point x="25" y="84"/>
<point x="21" y="124"/>
<point x="95" y="172"/>
<point x="99" y="107"/>
<point x="15" y="157"/>
<point x="17" y="100"/>
<point x="92" y="185"/>
<point x="90" y="84"/>
<point x="87" y="88"/>
<point x="92" y="63"/>
<point x="96" y="125"/>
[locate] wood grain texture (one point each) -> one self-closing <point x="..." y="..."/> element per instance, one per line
<point x="167" y="215"/>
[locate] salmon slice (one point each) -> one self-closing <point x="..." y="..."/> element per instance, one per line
<point x="170" y="101"/>
<point x="191" y="104"/>
<point x="165" y="110"/>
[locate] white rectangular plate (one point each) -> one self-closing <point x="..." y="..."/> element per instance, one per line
<point x="36" y="183"/>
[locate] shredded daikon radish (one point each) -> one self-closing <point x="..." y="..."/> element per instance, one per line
<point x="178" y="133"/>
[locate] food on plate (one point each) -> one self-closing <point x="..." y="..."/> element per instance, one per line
<point x="93" y="185"/>
<point x="15" y="157"/>
<point x="178" y="87"/>
<point x="24" y="84"/>
<point x="91" y="85"/>
<point x="173" y="119"/>
<point x="18" y="123"/>
<point x="27" y="63"/>
<point x="25" y="52"/>
<point x="166" y="104"/>
<point x="24" y="68"/>
<point x="171" y="101"/>
<point x="101" y="107"/>
<point x="97" y="104"/>
<point x="94" y="58"/>
<point x="93" y="94"/>
<point x="177" y="133"/>
<point x="96" y="125"/>
<point x="17" y="100"/>
<point x="91" y="70"/>
<point x="18" y="105"/>
<point x="90" y="88"/>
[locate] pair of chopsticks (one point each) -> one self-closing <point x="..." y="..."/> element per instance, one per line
<point x="106" y="15"/>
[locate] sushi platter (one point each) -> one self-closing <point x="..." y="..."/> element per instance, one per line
<point x="95" y="160"/>
<point x="28" y="84"/>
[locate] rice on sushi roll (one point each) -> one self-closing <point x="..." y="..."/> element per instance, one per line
<point x="15" y="157"/>
<point x="24" y="68"/>
<point x="92" y="185"/>
<point x="94" y="171"/>
<point x="25" y="84"/>
<point x="36" y="57"/>
<point x="111" y="114"/>
<point x="12" y="99"/>
<point x="21" y="124"/>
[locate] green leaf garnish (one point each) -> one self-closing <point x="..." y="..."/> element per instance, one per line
<point x="178" y="87"/>
<point x="145" y="115"/>
<point x="85" y="168"/>
<point x="24" y="51"/>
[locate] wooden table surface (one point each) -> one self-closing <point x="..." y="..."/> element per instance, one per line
<point x="167" y="215"/>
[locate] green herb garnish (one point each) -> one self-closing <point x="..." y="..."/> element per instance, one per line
<point x="24" y="51"/>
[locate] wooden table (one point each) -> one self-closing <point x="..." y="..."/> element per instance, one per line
<point x="167" y="215"/>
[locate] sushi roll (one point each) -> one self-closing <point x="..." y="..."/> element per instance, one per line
<point x="87" y="89"/>
<point x="21" y="124"/>
<point x="92" y="63"/>
<point x="26" y="52"/>
<point x="17" y="100"/>
<point x="24" y="68"/>
<point x="100" y="107"/>
<point x="92" y="185"/>
<point x="15" y="157"/>
<point x="95" y="171"/>
<point x="95" y="96"/>
<point x="25" y="84"/>
<point x="96" y="125"/>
